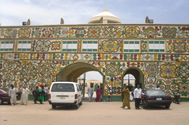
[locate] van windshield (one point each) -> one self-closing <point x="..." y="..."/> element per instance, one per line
<point x="59" y="87"/>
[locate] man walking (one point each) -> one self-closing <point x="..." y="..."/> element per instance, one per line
<point x="12" y="94"/>
<point x="137" y="96"/>
<point x="24" y="97"/>
<point x="90" y="91"/>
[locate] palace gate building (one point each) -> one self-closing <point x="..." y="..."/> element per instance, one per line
<point x="155" y="54"/>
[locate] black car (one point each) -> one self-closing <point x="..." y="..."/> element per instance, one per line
<point x="156" y="97"/>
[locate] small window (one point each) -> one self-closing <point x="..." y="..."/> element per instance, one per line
<point x="59" y="87"/>
<point x="78" y="88"/>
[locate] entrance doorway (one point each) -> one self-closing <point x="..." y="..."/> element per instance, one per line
<point x="74" y="71"/>
<point x="136" y="75"/>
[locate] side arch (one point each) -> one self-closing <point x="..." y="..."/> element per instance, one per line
<point x="137" y="73"/>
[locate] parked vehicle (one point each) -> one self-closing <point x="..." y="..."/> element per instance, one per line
<point x="4" y="96"/>
<point x="156" y="97"/>
<point x="65" y="93"/>
<point x="176" y="98"/>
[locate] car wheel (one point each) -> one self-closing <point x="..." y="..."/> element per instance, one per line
<point x="167" y="106"/>
<point x="53" y="106"/>
<point x="77" y="106"/>
<point x="80" y="103"/>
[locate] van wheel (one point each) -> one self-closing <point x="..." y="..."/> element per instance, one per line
<point x="53" y="106"/>
<point x="77" y="106"/>
<point x="80" y="103"/>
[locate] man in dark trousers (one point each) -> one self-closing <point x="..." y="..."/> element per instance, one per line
<point x="36" y="94"/>
<point x="137" y="96"/>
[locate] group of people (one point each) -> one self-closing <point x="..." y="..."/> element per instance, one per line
<point x="24" y="96"/>
<point x="137" y="96"/>
<point x="90" y="92"/>
<point x="39" y="94"/>
<point x="128" y="96"/>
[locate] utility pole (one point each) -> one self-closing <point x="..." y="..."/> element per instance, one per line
<point x="84" y="84"/>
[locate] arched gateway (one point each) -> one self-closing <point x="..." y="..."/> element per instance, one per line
<point x="153" y="53"/>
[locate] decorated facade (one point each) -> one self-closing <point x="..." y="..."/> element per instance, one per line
<point x="156" y="54"/>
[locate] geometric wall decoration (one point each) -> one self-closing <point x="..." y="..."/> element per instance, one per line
<point x="183" y="87"/>
<point x="112" y="69"/>
<point x="55" y="45"/>
<point x="42" y="45"/>
<point x="110" y="45"/>
<point x="169" y="32"/>
<point x="152" y="69"/>
<point x="169" y="86"/>
<point x="36" y="54"/>
<point x="150" y="32"/>
<point x="183" y="71"/>
<point x="168" y="70"/>
<point x="132" y="32"/>
<point x="179" y="46"/>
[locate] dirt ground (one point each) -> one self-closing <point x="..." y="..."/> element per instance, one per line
<point x="93" y="113"/>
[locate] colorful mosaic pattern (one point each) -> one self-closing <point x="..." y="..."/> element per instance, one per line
<point x="53" y="48"/>
<point x="168" y="70"/>
<point x="119" y="31"/>
<point x="152" y="69"/>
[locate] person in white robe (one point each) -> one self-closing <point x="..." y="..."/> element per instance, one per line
<point x="90" y="91"/>
<point x="24" y="96"/>
<point x="12" y="94"/>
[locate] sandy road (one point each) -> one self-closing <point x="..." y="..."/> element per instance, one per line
<point x="93" y="113"/>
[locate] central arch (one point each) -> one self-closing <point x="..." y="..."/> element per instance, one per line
<point x="73" y="71"/>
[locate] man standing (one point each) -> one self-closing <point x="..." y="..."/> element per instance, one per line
<point x="137" y="96"/>
<point x="126" y="101"/>
<point x="12" y="94"/>
<point x="24" y="97"/>
<point x="36" y="94"/>
<point x="90" y="91"/>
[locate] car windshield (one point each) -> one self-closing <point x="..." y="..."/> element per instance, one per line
<point x="59" y="87"/>
<point x="3" y="91"/>
<point x="155" y="92"/>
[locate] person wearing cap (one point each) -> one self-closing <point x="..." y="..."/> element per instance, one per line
<point x="126" y="99"/>
<point x="24" y="96"/>
<point x="41" y="94"/>
<point x="12" y="94"/>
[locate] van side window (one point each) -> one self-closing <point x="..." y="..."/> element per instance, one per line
<point x="78" y="88"/>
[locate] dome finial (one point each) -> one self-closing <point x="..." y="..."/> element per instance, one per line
<point x="105" y="10"/>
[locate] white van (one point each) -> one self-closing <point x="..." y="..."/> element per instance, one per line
<point x="65" y="93"/>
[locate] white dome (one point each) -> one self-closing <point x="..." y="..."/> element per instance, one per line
<point x="107" y="17"/>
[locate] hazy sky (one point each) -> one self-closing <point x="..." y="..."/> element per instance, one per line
<point x="14" y="12"/>
<point x="41" y="12"/>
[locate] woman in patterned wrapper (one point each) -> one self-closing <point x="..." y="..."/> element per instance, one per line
<point x="41" y="94"/>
